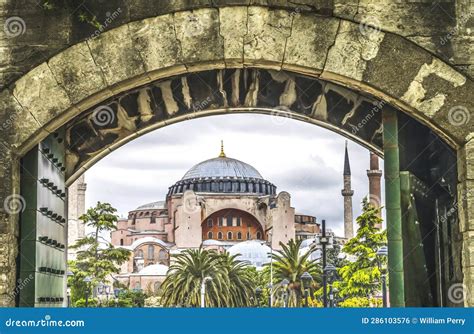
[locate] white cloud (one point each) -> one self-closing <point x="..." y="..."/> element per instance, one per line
<point x="298" y="157"/>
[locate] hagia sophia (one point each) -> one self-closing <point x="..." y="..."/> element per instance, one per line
<point x="220" y="203"/>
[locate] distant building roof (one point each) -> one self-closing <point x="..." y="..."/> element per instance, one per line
<point x="254" y="252"/>
<point x="152" y="206"/>
<point x="154" y="270"/>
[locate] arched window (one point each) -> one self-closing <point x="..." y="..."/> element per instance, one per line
<point x="221" y="221"/>
<point x="140" y="253"/>
<point x="259" y="235"/>
<point x="209" y="222"/>
<point x="229" y="235"/>
<point x="229" y="220"/>
<point x="153" y="218"/>
<point x="248" y="235"/>
<point x="238" y="221"/>
<point x="121" y="242"/>
<point x="151" y="252"/>
<point x="239" y="236"/>
<point x="162" y="255"/>
<point x="219" y="235"/>
<point x="209" y="235"/>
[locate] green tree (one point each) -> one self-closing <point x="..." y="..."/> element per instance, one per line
<point x="290" y="264"/>
<point x="96" y="257"/>
<point x="230" y="284"/>
<point x="360" y="278"/>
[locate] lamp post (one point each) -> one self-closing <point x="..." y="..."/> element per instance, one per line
<point x="270" y="233"/>
<point x="87" y="280"/>
<point x="285" y="284"/>
<point x="203" y="290"/>
<point x="116" y="295"/>
<point x="324" y="240"/>
<point x="329" y="271"/>
<point x="306" y="279"/>
<point x="100" y="291"/>
<point x="68" y="290"/>
<point x="382" y="252"/>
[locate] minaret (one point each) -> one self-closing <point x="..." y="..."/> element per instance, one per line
<point x="374" y="174"/>
<point x="76" y="208"/>
<point x="347" y="193"/>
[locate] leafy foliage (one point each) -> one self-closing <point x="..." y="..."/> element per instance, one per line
<point x="290" y="264"/>
<point x="360" y="278"/>
<point x="231" y="284"/>
<point x="96" y="258"/>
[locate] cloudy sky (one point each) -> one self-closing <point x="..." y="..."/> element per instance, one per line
<point x="298" y="157"/>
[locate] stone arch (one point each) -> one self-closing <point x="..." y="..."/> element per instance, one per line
<point x="140" y="52"/>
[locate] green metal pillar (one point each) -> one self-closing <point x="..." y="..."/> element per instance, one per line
<point x="393" y="207"/>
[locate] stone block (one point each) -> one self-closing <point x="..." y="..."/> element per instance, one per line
<point x="16" y="123"/>
<point x="198" y="35"/>
<point x="268" y="31"/>
<point x="155" y="40"/>
<point x="113" y="52"/>
<point x="353" y="49"/>
<point x="75" y="70"/>
<point x="310" y="40"/>
<point x="40" y="94"/>
<point x="233" y="28"/>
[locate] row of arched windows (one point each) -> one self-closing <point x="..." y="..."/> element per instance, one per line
<point x="230" y="235"/>
<point x="162" y="254"/>
<point x="225" y="186"/>
<point x="225" y="221"/>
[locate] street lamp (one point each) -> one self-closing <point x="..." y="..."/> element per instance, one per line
<point x="329" y="271"/>
<point x="203" y="289"/>
<point x="68" y="290"/>
<point x="382" y="252"/>
<point x="87" y="280"/>
<point x="306" y="278"/>
<point x="270" y="233"/>
<point x="116" y="295"/>
<point x="285" y="284"/>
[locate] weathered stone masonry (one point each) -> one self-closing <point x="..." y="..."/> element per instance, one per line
<point x="52" y="74"/>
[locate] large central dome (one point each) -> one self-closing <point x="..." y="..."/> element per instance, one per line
<point x="223" y="175"/>
<point x="222" y="167"/>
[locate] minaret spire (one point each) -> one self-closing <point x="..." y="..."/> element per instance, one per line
<point x="347" y="193"/>
<point x="222" y="154"/>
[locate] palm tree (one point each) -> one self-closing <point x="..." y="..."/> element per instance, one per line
<point x="242" y="284"/>
<point x="290" y="264"/>
<point x="230" y="285"/>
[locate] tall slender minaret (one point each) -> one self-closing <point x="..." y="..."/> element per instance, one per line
<point x="347" y="193"/>
<point x="76" y="208"/>
<point x="374" y="174"/>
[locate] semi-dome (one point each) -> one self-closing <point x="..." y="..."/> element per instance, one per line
<point x="152" y="206"/>
<point x="254" y="252"/>
<point x="154" y="270"/>
<point x="223" y="175"/>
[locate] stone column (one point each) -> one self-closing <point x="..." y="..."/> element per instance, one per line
<point x="466" y="221"/>
<point x="76" y="208"/>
